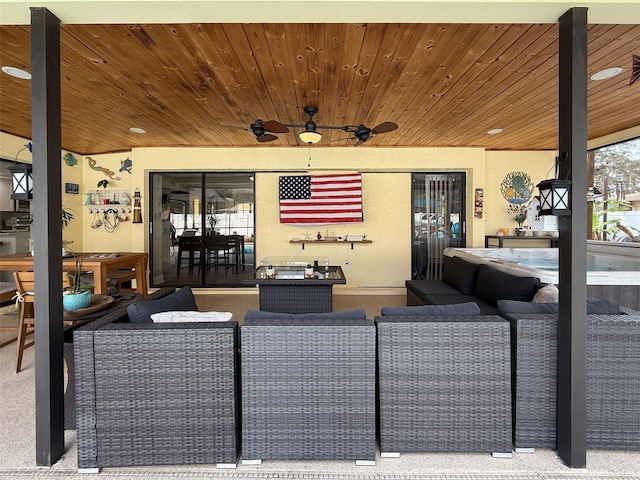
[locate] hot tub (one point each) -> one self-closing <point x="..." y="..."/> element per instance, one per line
<point x="603" y="266"/>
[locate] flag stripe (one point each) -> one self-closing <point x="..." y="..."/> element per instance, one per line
<point x="321" y="199"/>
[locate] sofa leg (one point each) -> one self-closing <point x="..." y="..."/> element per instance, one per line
<point x="89" y="470"/>
<point x="390" y="454"/>
<point x="227" y="465"/>
<point x="525" y="450"/>
<point x="251" y="462"/>
<point x="502" y="454"/>
<point x="365" y="463"/>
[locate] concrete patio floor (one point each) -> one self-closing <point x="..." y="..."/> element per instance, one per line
<point x="17" y="439"/>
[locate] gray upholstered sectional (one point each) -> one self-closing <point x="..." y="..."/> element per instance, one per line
<point x="464" y="281"/>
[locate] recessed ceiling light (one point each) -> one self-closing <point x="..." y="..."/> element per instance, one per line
<point x="494" y="131"/>
<point x="606" y="73"/>
<point x="137" y="130"/>
<point x="17" y="72"/>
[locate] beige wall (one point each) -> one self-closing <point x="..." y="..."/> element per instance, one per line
<point x="386" y="197"/>
<point x="538" y="165"/>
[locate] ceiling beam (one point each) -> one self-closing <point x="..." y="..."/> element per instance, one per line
<point x="16" y="12"/>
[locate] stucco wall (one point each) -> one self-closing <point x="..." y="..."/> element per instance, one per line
<point x="386" y="197"/>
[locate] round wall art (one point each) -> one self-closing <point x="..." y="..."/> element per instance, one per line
<point x="517" y="188"/>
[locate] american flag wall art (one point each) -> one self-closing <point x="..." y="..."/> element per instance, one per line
<point x="321" y="199"/>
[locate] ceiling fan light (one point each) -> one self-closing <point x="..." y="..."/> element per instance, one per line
<point x="310" y="137"/>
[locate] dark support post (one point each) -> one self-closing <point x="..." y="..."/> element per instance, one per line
<point x="572" y="329"/>
<point x="47" y="233"/>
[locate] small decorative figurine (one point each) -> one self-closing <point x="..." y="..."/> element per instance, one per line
<point x="271" y="272"/>
<point x="319" y="236"/>
<point x="308" y="272"/>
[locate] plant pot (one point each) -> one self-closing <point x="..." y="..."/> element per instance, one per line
<point x="76" y="301"/>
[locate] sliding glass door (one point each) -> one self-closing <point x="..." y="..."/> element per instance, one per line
<point x="202" y="228"/>
<point x="438" y="221"/>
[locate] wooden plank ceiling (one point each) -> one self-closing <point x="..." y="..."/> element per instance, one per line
<point x="444" y="85"/>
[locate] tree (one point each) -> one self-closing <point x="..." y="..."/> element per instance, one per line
<point x="617" y="169"/>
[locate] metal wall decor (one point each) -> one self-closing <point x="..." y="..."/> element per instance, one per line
<point x="517" y="188"/>
<point x="108" y="173"/>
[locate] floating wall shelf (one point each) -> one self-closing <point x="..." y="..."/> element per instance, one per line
<point x="330" y="242"/>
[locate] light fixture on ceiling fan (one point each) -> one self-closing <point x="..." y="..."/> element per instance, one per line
<point x="264" y="130"/>
<point x="309" y="135"/>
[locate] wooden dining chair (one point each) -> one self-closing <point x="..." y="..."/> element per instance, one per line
<point x="26" y="321"/>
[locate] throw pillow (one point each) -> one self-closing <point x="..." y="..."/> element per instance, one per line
<point x="183" y="299"/>
<point x="182" y="316"/>
<point x="548" y="293"/>
<point x="493" y="285"/>
<point x="461" y="275"/>
<point x="468" y="308"/>
<point x="358" y="313"/>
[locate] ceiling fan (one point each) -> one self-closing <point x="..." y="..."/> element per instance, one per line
<point x="310" y="135"/>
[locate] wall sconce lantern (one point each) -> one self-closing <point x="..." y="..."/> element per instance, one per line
<point x="555" y="197"/>
<point x="22" y="177"/>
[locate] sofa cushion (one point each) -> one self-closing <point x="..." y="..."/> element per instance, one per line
<point x="493" y="285"/>
<point x="461" y="275"/>
<point x="190" y="316"/>
<point x="485" y="308"/>
<point x="467" y="308"/>
<point x="183" y="299"/>
<point x="357" y="313"/>
<point x="594" y="307"/>
<point x="426" y="287"/>
<point x="506" y="307"/>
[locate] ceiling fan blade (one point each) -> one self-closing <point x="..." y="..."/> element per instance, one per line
<point x="267" y="137"/>
<point x="384" y="128"/>
<point x="275" y="127"/>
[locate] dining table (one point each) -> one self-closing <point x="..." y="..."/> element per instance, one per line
<point x="100" y="264"/>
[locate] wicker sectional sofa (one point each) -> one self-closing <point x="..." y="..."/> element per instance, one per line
<point x="308" y="389"/>
<point x="444" y="384"/>
<point x="329" y="386"/>
<point x="156" y="393"/>
<point x="613" y="381"/>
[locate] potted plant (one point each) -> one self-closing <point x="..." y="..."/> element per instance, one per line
<point x="77" y="296"/>
<point x="104" y="183"/>
<point x="519" y="215"/>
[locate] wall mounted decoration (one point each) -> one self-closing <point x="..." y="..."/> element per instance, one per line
<point x="478" y="203"/>
<point x="72" y="188"/>
<point x="517" y="188"/>
<point x="108" y="173"/>
<point x="69" y="159"/>
<point x="321" y="199"/>
<point x="126" y="165"/>
<point x="137" y="207"/>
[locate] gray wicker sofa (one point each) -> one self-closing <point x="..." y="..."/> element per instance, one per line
<point x="464" y="281"/>
<point x="613" y="381"/>
<point x="444" y="384"/>
<point x="308" y="389"/>
<point x="156" y="393"/>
